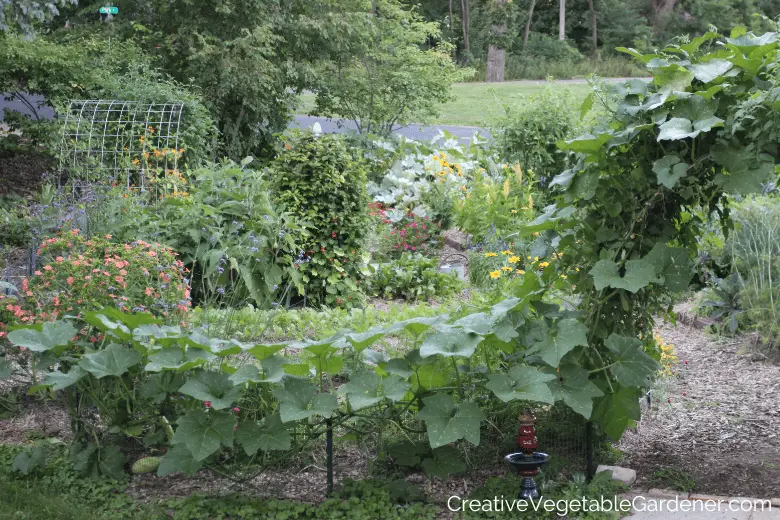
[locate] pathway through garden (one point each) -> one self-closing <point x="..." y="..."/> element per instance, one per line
<point x="715" y="422"/>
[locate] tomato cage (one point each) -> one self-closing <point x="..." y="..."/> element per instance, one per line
<point x="120" y="143"/>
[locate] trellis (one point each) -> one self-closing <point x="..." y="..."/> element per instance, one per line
<point x="120" y="142"/>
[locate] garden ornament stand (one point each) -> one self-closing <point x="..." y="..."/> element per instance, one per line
<point x="527" y="462"/>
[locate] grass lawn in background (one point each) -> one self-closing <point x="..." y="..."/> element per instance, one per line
<point x="481" y="104"/>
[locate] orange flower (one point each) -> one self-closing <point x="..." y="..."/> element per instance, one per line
<point x="70" y="280"/>
<point x="47" y="268"/>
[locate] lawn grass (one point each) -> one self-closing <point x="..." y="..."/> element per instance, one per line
<point x="481" y="104"/>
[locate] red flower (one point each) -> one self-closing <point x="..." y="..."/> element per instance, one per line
<point x="207" y="404"/>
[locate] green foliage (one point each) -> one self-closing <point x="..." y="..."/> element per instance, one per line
<point x="90" y="68"/>
<point x="530" y="130"/>
<point x="24" y="13"/>
<point x="318" y="181"/>
<point x="496" y="204"/>
<point x="389" y="78"/>
<point x="224" y="225"/>
<point x="14" y="222"/>
<point x="631" y="234"/>
<point x="412" y="277"/>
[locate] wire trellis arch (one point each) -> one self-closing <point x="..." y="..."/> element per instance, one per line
<point x="115" y="142"/>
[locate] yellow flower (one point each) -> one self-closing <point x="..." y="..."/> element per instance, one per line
<point x="489" y="255"/>
<point x="529" y="257"/>
<point x="536" y="259"/>
<point x="514" y="211"/>
<point x="520" y="271"/>
<point x="542" y="265"/>
<point x="506" y="268"/>
<point x="564" y="276"/>
<point x="507" y="252"/>
<point x="513" y="259"/>
<point x="495" y="274"/>
<point x="536" y="233"/>
<point x="577" y="269"/>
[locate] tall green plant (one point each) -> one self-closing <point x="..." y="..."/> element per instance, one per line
<point x="317" y="179"/>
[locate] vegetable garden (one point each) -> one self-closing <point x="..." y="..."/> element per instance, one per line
<point x="168" y="323"/>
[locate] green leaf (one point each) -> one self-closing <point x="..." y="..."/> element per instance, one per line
<point x="446" y="461"/>
<point x="745" y="171"/>
<point x="26" y="462"/>
<point x="267" y="435"/>
<point x="588" y="144"/>
<point x="448" y="423"/>
<point x="178" y="459"/>
<point x="367" y="389"/>
<point x="159" y="386"/>
<point x="450" y="341"/>
<point x="630" y="365"/>
<point x="60" y="381"/>
<point x="710" y="70"/>
<point x="676" y="128"/>
<point x="567" y="334"/>
<point x="261" y="352"/>
<point x="175" y="358"/>
<point x="299" y="399"/>
<point x="52" y="334"/>
<point x="639" y="274"/>
<point x="363" y="340"/>
<point x="575" y="389"/>
<point x="417" y="326"/>
<point x="114" y="360"/>
<point x="214" y="387"/>
<point x="673" y="264"/>
<point x="6" y="369"/>
<point x="204" y="431"/>
<point x="616" y="412"/>
<point x="587" y="104"/>
<point x="521" y="383"/>
<point x="406" y="453"/>
<point x="669" y="170"/>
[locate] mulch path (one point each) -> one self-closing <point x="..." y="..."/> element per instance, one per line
<point x="717" y="418"/>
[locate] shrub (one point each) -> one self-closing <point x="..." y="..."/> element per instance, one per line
<point x="319" y="182"/>
<point x="230" y="235"/>
<point x="14" y="222"/>
<point x="80" y="274"/>
<point x="406" y="232"/>
<point x="412" y="277"/>
<point x="529" y="131"/>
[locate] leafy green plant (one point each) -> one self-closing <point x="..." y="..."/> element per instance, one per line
<point x="673" y="478"/>
<point x="319" y="182"/>
<point x="412" y="277"/>
<point x="236" y="243"/>
<point x="389" y="78"/>
<point x="14" y="222"/>
<point x="724" y="302"/>
<point x="496" y="204"/>
<point x="529" y="131"/>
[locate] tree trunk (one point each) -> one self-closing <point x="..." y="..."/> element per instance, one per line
<point x="464" y="18"/>
<point x="661" y="9"/>
<point x="452" y="20"/>
<point x="594" y="27"/>
<point x="528" y="23"/>
<point x="496" y="55"/>
<point x="562" y="20"/>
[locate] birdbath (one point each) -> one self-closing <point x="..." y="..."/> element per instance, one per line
<point x="526" y="463"/>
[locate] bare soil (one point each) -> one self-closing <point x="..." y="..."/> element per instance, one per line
<point x="716" y="419"/>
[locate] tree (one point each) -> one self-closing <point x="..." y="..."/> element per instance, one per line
<point x="496" y="54"/>
<point x="22" y="14"/>
<point x="562" y="20"/>
<point x="391" y="79"/>
<point x="594" y="26"/>
<point x="465" y="23"/>
<point x="528" y="23"/>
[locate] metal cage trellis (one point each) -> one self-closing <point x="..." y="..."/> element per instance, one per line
<point x="113" y="142"/>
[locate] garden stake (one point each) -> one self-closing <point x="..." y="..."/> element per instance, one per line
<point x="527" y="462"/>
<point x="329" y="454"/>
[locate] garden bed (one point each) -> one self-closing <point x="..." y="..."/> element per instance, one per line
<point x="716" y="421"/>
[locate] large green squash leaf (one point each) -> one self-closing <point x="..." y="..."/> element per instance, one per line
<point x="447" y="422"/>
